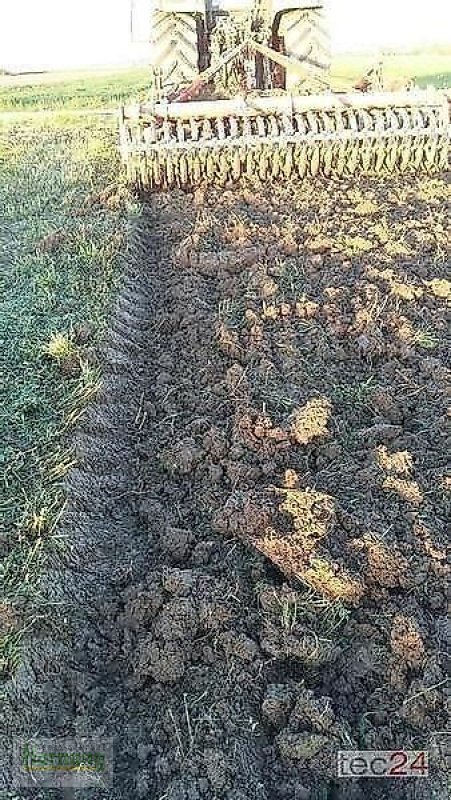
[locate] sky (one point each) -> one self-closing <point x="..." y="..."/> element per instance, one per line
<point x="43" y="34"/>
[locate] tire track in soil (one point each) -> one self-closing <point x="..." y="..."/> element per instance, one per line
<point x="109" y="480"/>
<point x="78" y="677"/>
<point x="71" y="681"/>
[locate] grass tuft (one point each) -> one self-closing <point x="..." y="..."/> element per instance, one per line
<point x="60" y="346"/>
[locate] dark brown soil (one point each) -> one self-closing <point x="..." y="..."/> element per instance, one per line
<point x="262" y="501"/>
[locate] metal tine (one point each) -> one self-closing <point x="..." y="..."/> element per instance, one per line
<point x="431" y="152"/>
<point x="352" y="119"/>
<point x="157" y="171"/>
<point x="438" y="117"/>
<point x="359" y="119"/>
<point x="339" y="121"/>
<point x="210" y="163"/>
<point x="302" y="161"/>
<point x="320" y="121"/>
<point x="366" y="156"/>
<point x="150" y="132"/>
<point x="327" y="122"/>
<point x="379" y="118"/>
<point x="367" y="120"/>
<point x="345" y="123"/>
<point x="263" y="163"/>
<point x="236" y="164"/>
<point x="183" y="167"/>
<point x="431" y="120"/>
<point x="313" y="122"/>
<point x="197" y="168"/>
<point x="287" y="125"/>
<point x="233" y="125"/>
<point x="189" y="162"/>
<point x="417" y="118"/>
<point x="405" y="119"/>
<point x="301" y="124"/>
<point x="194" y="125"/>
<point x="328" y="156"/>
<point x="380" y="156"/>
<point x="392" y="155"/>
<point x="274" y="126"/>
<point x="315" y="160"/>
<point x="399" y="120"/>
<point x="261" y="127"/>
<point x="288" y="164"/>
<point x="249" y="162"/>
<point x="180" y="131"/>
<point x="220" y="128"/>
<point x="419" y="153"/>
<point x="207" y="132"/>
<point x="167" y="131"/>
<point x="387" y="119"/>
<point x="224" y="167"/>
<point x="169" y="169"/>
<point x="247" y="126"/>
<point x="353" y="157"/>
<point x="392" y="119"/>
<point x="147" y="136"/>
<point x="275" y="163"/>
<point x="443" y="116"/>
<point x="406" y="153"/>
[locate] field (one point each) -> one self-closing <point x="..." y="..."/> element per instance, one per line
<point x="69" y="91"/>
<point x="431" y="69"/>
<point x="225" y="509"/>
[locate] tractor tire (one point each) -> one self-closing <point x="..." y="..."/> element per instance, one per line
<point x="175" y="48"/>
<point x="306" y="40"/>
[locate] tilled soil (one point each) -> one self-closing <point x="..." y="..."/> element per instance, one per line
<point x="258" y="516"/>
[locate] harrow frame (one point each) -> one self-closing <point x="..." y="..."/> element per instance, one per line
<point x="166" y="144"/>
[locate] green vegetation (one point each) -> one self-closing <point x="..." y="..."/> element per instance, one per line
<point x="426" y="68"/>
<point x="68" y="91"/>
<point x="63" y="224"/>
<point x="88" y="90"/>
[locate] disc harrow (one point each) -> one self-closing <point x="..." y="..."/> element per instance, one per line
<point x="185" y="144"/>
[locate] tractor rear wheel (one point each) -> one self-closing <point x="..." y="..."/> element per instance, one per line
<point x="175" y="48"/>
<point x="306" y="40"/>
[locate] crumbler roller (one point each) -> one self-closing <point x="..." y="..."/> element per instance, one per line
<point x="263" y="107"/>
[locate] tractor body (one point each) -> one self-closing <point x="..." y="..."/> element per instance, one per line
<point x="188" y="37"/>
